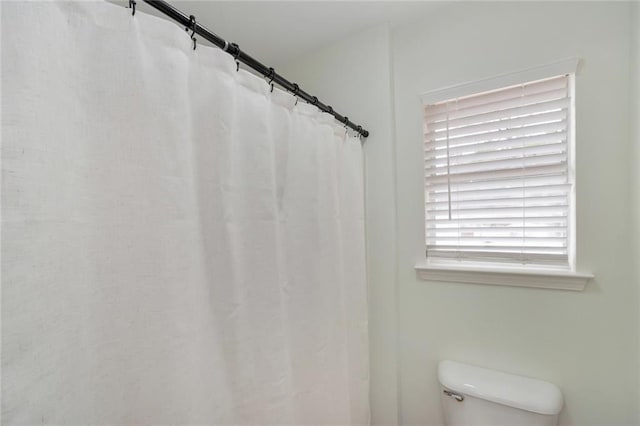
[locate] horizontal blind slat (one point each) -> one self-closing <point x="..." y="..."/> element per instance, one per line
<point x="513" y="153"/>
<point x="505" y="229"/>
<point x="538" y="242"/>
<point x="562" y="103"/>
<point x="501" y="251"/>
<point x="518" y="132"/>
<point x="515" y="91"/>
<point x="552" y="240"/>
<point x="492" y="232"/>
<point x="504" y="221"/>
<point x="502" y="248"/>
<point x="439" y="149"/>
<point x="499" y="212"/>
<point x="517" y="181"/>
<point x="522" y="202"/>
<point x="547" y="258"/>
<point x="505" y="192"/>
<point x="499" y="174"/>
<point x="508" y="104"/>
<point x="521" y="163"/>
<point x="507" y="122"/>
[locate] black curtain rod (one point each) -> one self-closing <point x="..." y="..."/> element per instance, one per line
<point x="240" y="56"/>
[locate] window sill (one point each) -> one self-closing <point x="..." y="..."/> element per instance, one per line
<point x="503" y="275"/>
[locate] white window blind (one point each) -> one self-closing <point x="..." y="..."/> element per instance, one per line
<point x="497" y="182"/>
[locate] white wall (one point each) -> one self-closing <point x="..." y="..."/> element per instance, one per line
<point x="585" y="342"/>
<point x="635" y="159"/>
<point x="354" y="76"/>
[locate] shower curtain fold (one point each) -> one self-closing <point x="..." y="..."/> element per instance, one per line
<point x="180" y="245"/>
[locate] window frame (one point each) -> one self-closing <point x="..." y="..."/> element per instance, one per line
<point x="563" y="277"/>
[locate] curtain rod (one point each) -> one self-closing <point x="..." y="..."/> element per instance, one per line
<point x="240" y="56"/>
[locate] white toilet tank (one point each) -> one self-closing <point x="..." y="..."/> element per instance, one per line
<point x="474" y="396"/>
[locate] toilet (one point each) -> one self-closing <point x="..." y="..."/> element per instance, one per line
<point x="474" y="396"/>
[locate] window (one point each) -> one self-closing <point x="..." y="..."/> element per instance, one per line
<point x="499" y="178"/>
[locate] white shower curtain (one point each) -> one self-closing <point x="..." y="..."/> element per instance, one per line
<point x="179" y="244"/>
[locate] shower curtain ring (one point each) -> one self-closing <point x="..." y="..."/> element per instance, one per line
<point x="132" y="6"/>
<point x="192" y="25"/>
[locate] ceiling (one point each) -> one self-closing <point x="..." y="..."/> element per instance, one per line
<point x="275" y="32"/>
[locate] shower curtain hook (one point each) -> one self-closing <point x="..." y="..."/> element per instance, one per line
<point x="295" y="91"/>
<point x="192" y="24"/>
<point x="235" y="55"/>
<point x="132" y="6"/>
<point x="271" y="75"/>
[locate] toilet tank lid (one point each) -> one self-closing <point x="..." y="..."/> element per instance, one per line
<point x="520" y="392"/>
